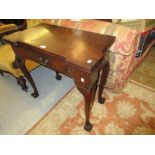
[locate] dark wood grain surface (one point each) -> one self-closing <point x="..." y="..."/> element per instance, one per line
<point x="73" y="45"/>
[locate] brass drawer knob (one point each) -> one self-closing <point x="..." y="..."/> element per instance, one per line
<point x="46" y="61"/>
<point x="40" y="59"/>
<point x="42" y="62"/>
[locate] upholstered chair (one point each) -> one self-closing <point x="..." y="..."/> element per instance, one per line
<point x="6" y="29"/>
<point x="7" y="58"/>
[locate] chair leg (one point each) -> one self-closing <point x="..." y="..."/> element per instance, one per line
<point x="22" y="82"/>
<point x="58" y="76"/>
<point x="2" y="41"/>
<point x="1" y="72"/>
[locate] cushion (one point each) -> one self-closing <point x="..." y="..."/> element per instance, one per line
<point x="7" y="57"/>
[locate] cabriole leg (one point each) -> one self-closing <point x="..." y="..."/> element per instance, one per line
<point x="89" y="96"/>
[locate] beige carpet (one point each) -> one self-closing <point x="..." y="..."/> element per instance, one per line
<point x="126" y="113"/>
<point x="145" y="73"/>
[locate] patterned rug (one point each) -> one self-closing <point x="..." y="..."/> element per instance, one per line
<point x="144" y="75"/>
<point x="130" y="112"/>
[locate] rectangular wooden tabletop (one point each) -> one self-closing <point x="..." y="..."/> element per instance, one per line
<point x="75" y="46"/>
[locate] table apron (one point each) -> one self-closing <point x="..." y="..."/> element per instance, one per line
<point x="82" y="78"/>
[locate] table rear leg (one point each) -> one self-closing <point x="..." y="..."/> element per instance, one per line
<point x="104" y="75"/>
<point x="58" y="76"/>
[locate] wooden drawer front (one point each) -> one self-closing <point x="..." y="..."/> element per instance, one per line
<point x="81" y="78"/>
<point x="46" y="60"/>
<point x="57" y="64"/>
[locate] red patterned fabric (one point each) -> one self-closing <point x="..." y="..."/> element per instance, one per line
<point x="122" y="52"/>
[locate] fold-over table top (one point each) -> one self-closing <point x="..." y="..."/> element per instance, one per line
<point x="75" y="46"/>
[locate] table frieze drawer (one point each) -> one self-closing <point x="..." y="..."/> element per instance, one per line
<point x="81" y="77"/>
<point x="46" y="60"/>
<point x="57" y="64"/>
